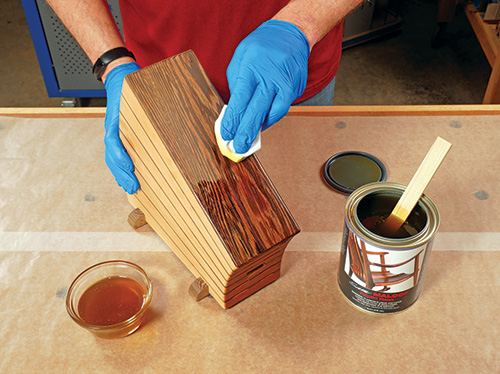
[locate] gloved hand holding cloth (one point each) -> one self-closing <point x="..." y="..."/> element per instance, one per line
<point x="267" y="73"/>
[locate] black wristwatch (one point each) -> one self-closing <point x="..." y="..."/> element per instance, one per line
<point x="106" y="58"/>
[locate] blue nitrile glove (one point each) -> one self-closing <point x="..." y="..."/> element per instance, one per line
<point x="267" y="73"/>
<point x="116" y="156"/>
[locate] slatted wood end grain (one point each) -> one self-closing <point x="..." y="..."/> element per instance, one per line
<point x="224" y="220"/>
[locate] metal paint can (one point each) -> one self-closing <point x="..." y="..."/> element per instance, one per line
<point x="380" y="274"/>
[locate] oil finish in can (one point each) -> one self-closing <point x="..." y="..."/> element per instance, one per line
<point x="384" y="274"/>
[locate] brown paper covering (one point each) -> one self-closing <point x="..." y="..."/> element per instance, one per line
<point x="60" y="212"/>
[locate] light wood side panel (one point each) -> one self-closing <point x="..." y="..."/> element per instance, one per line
<point x="168" y="172"/>
<point x="162" y="182"/>
<point x="169" y="234"/>
<point x="165" y="233"/>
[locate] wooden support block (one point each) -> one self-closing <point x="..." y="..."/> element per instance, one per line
<point x="199" y="289"/>
<point x="225" y="221"/>
<point x="136" y="219"/>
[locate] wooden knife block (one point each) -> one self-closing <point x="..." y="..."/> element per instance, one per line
<point x="225" y="221"/>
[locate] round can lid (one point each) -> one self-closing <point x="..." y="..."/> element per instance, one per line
<point x="347" y="171"/>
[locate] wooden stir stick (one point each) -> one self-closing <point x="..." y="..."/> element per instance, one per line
<point x="417" y="185"/>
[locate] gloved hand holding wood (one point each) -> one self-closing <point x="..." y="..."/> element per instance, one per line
<point x="116" y="156"/>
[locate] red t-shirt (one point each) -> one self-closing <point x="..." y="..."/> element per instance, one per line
<point x="155" y="30"/>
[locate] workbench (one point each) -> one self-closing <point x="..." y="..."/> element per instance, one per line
<point x="61" y="212"/>
<point x="487" y="35"/>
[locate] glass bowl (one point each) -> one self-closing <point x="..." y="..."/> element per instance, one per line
<point x="110" y="298"/>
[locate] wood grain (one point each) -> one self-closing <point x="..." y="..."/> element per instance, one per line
<point x="224" y="220"/>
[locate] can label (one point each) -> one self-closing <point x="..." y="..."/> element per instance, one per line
<point x="378" y="279"/>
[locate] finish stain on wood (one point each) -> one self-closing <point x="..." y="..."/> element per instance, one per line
<point x="224" y="220"/>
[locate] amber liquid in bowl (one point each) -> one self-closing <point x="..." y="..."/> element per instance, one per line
<point x="110" y="301"/>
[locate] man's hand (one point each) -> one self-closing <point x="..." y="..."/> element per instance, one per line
<point x="267" y="73"/>
<point x="116" y="156"/>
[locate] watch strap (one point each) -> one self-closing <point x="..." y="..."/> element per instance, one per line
<point x="106" y="58"/>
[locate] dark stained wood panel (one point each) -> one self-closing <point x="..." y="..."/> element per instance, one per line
<point x="225" y="221"/>
<point x="239" y="198"/>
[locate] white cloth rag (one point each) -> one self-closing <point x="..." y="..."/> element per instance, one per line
<point x="226" y="146"/>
